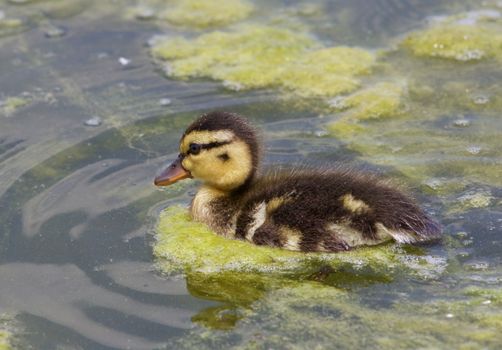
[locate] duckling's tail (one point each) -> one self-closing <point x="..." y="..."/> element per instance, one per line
<point x="413" y="231"/>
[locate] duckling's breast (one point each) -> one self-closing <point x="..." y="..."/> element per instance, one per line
<point x="213" y="208"/>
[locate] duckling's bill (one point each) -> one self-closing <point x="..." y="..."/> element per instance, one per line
<point x="173" y="173"/>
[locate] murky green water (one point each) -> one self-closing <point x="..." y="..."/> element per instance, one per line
<point x="85" y="124"/>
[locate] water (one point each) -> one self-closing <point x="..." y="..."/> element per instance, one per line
<point x="78" y="208"/>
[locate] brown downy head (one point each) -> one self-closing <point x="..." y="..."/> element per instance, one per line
<point x="220" y="148"/>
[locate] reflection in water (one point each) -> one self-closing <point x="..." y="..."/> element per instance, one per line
<point x="77" y="208"/>
<point x="63" y="294"/>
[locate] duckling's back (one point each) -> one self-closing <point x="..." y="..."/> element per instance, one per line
<point x="334" y="210"/>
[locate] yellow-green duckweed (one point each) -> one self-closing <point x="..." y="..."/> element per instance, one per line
<point x="206" y="13"/>
<point x="258" y="56"/>
<point x="190" y="246"/>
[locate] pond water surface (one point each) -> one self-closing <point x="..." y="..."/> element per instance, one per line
<point x="89" y="113"/>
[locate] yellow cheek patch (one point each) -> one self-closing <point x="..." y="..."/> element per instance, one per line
<point x="187" y="164"/>
<point x="205" y="137"/>
<point x="354" y="205"/>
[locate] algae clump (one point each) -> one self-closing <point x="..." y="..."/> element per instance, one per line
<point x="327" y="72"/>
<point x="259" y="56"/>
<point x="184" y="245"/>
<point x="312" y="315"/>
<point x="4" y="340"/>
<point x="7" y="24"/>
<point x="11" y="104"/>
<point x="5" y="335"/>
<point x="379" y="101"/>
<point x="207" y="13"/>
<point x="465" y="39"/>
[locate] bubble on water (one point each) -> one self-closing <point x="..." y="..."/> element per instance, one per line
<point x="461" y="234"/>
<point x="450" y="315"/>
<point x="470" y="55"/>
<point x="461" y="123"/>
<point x="165" y="101"/>
<point x="463" y="254"/>
<point x="467" y="242"/>
<point x="93" y="121"/>
<point x="144" y="13"/>
<point x="54" y="32"/>
<point x="474" y="149"/>
<point x="486" y="302"/>
<point x="480" y="99"/>
<point x="338" y="102"/>
<point x="434" y="183"/>
<point x="232" y="85"/>
<point x="477" y="266"/>
<point x="320" y="133"/>
<point x="102" y="55"/>
<point x="124" y="61"/>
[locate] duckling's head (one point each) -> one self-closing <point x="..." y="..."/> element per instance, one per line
<point x="220" y="148"/>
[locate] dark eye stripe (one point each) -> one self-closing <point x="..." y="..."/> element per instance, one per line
<point x="210" y="145"/>
<point x="214" y="144"/>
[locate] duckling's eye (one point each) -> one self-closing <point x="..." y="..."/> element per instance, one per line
<point x="194" y="148"/>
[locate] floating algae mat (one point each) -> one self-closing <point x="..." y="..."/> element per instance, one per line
<point x="207" y="13"/>
<point x="5" y="334"/>
<point x="184" y="245"/>
<point x="470" y="37"/>
<point x="436" y="121"/>
<point x="11" y="104"/>
<point x="260" y="56"/>
<point x="4" y="340"/>
<point x="312" y="315"/>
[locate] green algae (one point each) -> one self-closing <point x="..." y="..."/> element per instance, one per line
<point x="258" y="56"/>
<point x="404" y="125"/>
<point x="4" y="340"/>
<point x="5" y="334"/>
<point x="10" y="105"/>
<point x="327" y="72"/>
<point x="184" y="245"/>
<point x="249" y="56"/>
<point x="486" y="296"/>
<point x="9" y="23"/>
<point x="382" y="100"/>
<point x="461" y="38"/>
<point x="206" y="13"/>
<point x="436" y="159"/>
<point x="312" y="315"/>
<point x="474" y="199"/>
<point x="425" y="154"/>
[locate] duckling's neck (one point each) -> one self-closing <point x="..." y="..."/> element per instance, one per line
<point x="218" y="209"/>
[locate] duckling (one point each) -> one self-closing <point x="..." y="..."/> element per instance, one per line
<point x="306" y="210"/>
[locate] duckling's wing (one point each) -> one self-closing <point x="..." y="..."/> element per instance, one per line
<point x="330" y="211"/>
